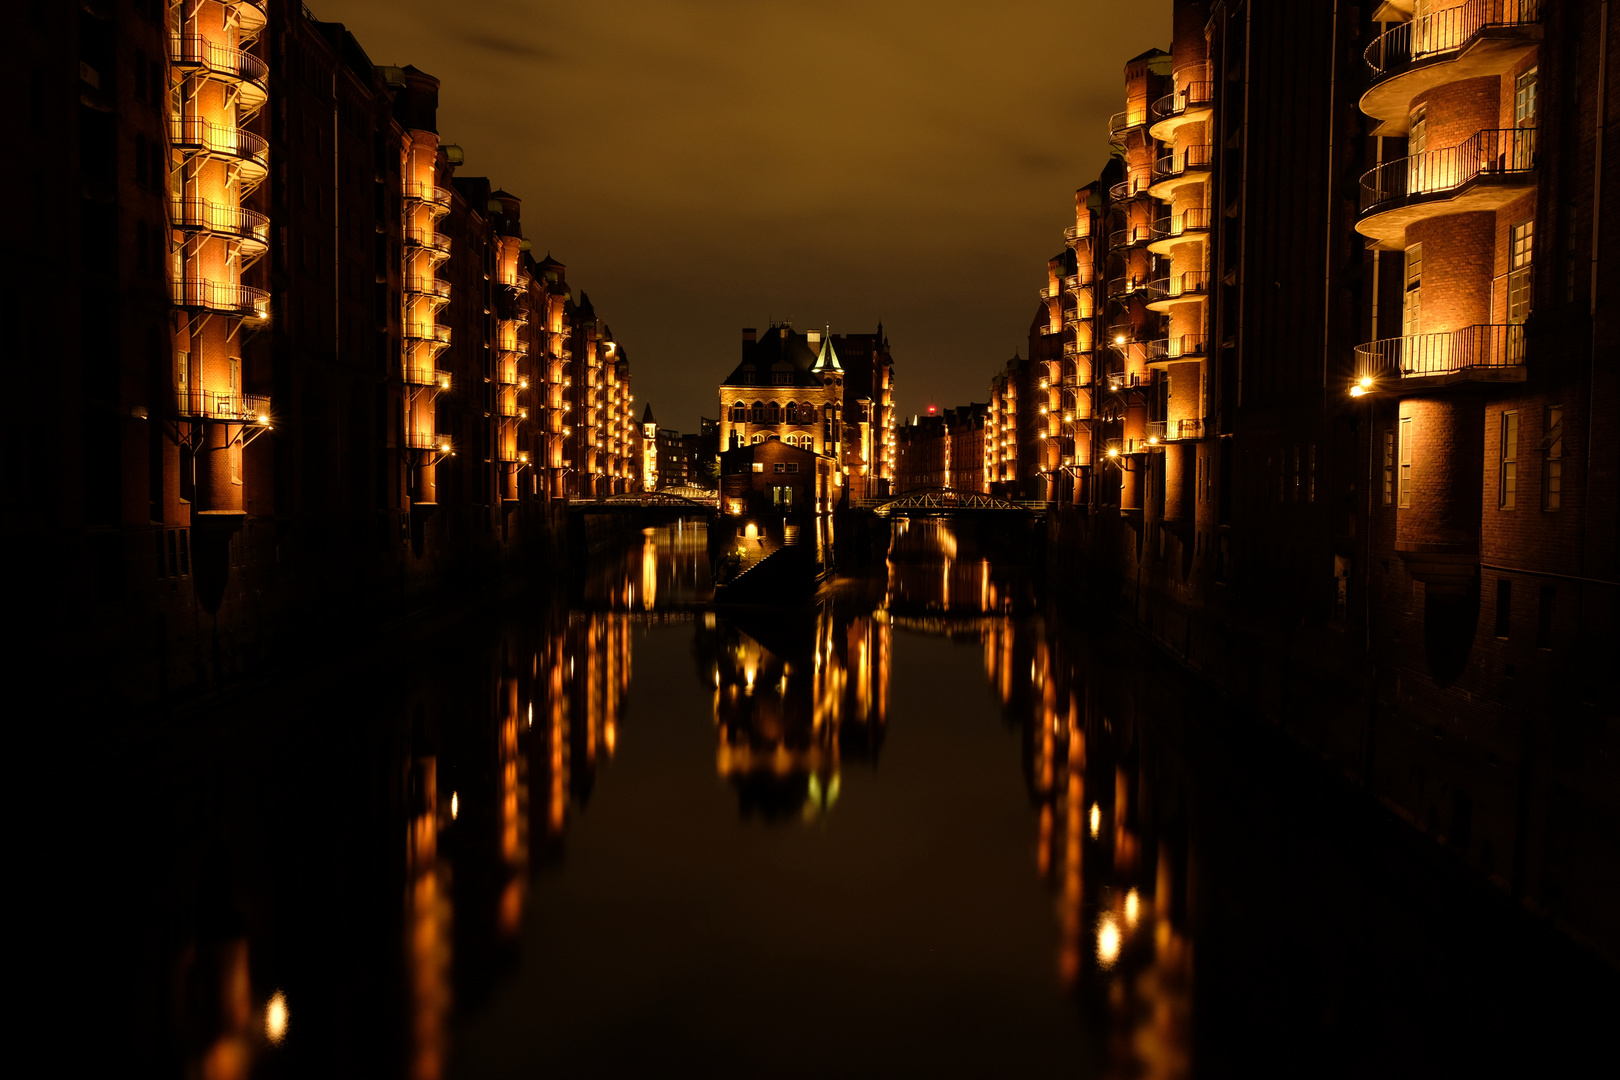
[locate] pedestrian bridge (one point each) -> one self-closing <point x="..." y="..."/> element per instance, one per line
<point x="948" y="502"/>
<point x="693" y="500"/>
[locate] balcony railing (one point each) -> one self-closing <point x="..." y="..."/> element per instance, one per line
<point x="192" y="51"/>
<point x="425" y="440"/>
<point x="426" y="375"/>
<point x="1177" y="430"/>
<point x="1045" y="293"/>
<point x="1073" y="284"/>
<point x="1130" y="236"/>
<point x="1480" y="346"/>
<point x="1155" y="432"/>
<point x="242" y="300"/>
<point x="1072" y="348"/>
<point x="1494" y="152"/>
<point x="1120" y="124"/>
<point x="1176" y="163"/>
<point x="1446" y="32"/>
<point x="1075" y="233"/>
<point x="1193" y="220"/>
<point x="427" y="193"/>
<point x="233" y="221"/>
<point x="1181" y="347"/>
<point x="217" y="405"/>
<point x="1128" y="188"/>
<point x="1192" y="282"/>
<point x="437" y="288"/>
<point x="427" y="332"/>
<point x="1193" y="94"/>
<point x="427" y="238"/>
<point x="195" y="133"/>
<point x="250" y="14"/>
<point x="1072" y="319"/>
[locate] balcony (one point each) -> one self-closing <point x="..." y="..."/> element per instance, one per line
<point x="1489" y="170"/>
<point x="1123" y="123"/>
<point x="1072" y="348"/>
<point x="431" y="332"/>
<point x="427" y="440"/>
<point x="1480" y="38"/>
<point x="1183" y="430"/>
<point x="1120" y="335"/>
<point x="426" y="375"/>
<point x="1047" y="293"/>
<point x="242" y="71"/>
<point x="241" y="148"/>
<point x="229" y="407"/>
<point x="1189" y="225"/>
<point x="1179" y="167"/>
<point x="200" y="294"/>
<point x="1132" y="187"/>
<point x="1072" y="319"/>
<point x="1188" y="105"/>
<point x="436" y="243"/>
<point x="435" y="289"/>
<point x="250" y="14"/>
<point x="1484" y="352"/>
<point x="1130" y="236"/>
<point x="436" y="198"/>
<point x="249" y="227"/>
<point x="1175" y="350"/>
<point x="1176" y="289"/>
<point x="1075" y="235"/>
<point x="1073" y="284"/>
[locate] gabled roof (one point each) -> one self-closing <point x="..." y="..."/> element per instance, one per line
<point x="647" y="416"/>
<point x="778" y="351"/>
<point x="828" y="360"/>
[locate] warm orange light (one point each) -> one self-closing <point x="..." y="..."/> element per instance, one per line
<point x="455" y="806"/>
<point x="1107" y="941"/>
<point x="1113" y="452"/>
<point x="275" y="1017"/>
<point x="1133" y="907"/>
<point x="1096" y="820"/>
<point x="1119" y="339"/>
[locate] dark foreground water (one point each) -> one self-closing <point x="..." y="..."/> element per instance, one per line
<point x="931" y="826"/>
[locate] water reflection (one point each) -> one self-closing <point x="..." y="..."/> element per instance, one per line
<point x="490" y="755"/>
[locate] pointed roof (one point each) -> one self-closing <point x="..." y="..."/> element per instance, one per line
<point x="647" y="416"/>
<point x="584" y="306"/>
<point x="829" y="356"/>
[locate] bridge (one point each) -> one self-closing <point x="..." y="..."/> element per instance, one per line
<point x="948" y="502"/>
<point x="691" y="500"/>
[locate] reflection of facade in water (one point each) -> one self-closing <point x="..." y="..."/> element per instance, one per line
<point x="794" y="694"/>
<point x="944" y="570"/>
<point x="1115" y="850"/>
<point x="668" y="568"/>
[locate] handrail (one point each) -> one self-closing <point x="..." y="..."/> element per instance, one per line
<point x="1124" y="120"/>
<point x="1173" y="348"/>
<point x="1192" y="219"/>
<point x="427" y="332"/>
<point x="1072" y="283"/>
<point x="250" y="14"/>
<point x="1129" y="188"/>
<point x="428" y="193"/>
<point x="428" y="238"/>
<point x="1190" y="281"/>
<point x="194" y="131"/>
<point x="426" y="375"/>
<point x="192" y="50"/>
<point x="218" y="218"/>
<point x="1484" y="345"/>
<point x="1073" y="232"/>
<point x="223" y="405"/>
<point x="241" y="300"/>
<point x="1174" y="164"/>
<point x="1493" y="152"/>
<point x="1130" y="236"/>
<point x="1448" y="31"/>
<point x="425" y="286"/>
<point x="427" y="440"/>
<point x="1045" y="295"/>
<point x="1174" y="104"/>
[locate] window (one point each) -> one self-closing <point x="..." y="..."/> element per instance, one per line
<point x="757" y="414"/>
<point x="1417" y="141"/>
<point x="773" y="413"/>
<point x="791" y="413"/>
<point x="1504" y="607"/>
<point x="1508" y="478"/>
<point x="778" y="468"/>
<point x="1405" y="491"/>
<point x="1521" y="236"/>
<point x="739" y="413"/>
<point x="1412" y="302"/>
<point x="1552" y="460"/>
<point x="1389" y="468"/>
<point x="759" y="439"/>
<point x="792" y="466"/>
<point x="759" y="466"/>
<point x="1524" y="99"/>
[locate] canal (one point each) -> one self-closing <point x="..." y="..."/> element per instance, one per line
<point x="937" y="823"/>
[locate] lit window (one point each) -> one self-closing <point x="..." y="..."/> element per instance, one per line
<point x="1508" y="477"/>
<point x="1519" y="271"/>
<point x="1405" y="491"/>
<point x="1524" y="99"/>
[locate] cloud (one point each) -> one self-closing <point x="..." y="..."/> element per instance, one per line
<point x="509" y="46"/>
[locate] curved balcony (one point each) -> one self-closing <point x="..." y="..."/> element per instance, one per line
<point x="435" y="198"/>
<point x="1072" y="318"/>
<point x="1175" y="350"/>
<point x="1046" y="293"/>
<point x="1189" y="225"/>
<point x="1190" y="104"/>
<point x="1484" y="173"/>
<point x="435" y="243"/>
<point x="1176" y="289"/>
<point x="1126" y="121"/>
<point x="430" y="332"/>
<point x="243" y="71"/>
<point x="250" y="15"/>
<point x="1121" y="335"/>
<point x="1074" y="234"/>
<point x="1132" y="187"/>
<point x="426" y="375"/>
<point x="1072" y="348"/>
<point x="436" y="289"/>
<point x="248" y="227"/>
<point x="427" y="440"/>
<point x="244" y="149"/>
<point x="1484" y="37"/>
<point x="200" y="294"/>
<point x="1188" y="165"/>
<point x="1130" y="236"/>
<point x="230" y="407"/>
<point x="1073" y="284"/>
<point x="1493" y="351"/>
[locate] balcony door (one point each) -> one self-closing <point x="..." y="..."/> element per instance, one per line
<point x="1412" y="311"/>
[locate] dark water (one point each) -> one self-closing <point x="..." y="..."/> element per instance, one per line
<point x="937" y="824"/>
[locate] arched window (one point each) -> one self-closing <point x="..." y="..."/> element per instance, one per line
<point x="759" y="438"/>
<point x="739" y="413"/>
<point x="758" y="414"/>
<point x="807" y="413"/>
<point x="773" y="413"/>
<point x="792" y="412"/>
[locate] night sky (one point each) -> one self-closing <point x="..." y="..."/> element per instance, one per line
<point x="705" y="165"/>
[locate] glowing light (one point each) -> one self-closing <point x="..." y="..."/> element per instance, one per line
<point x="1096" y="820"/>
<point x="1113" y="451"/>
<point x="455" y="807"/>
<point x="1119" y="339"/>
<point x="1133" y="907"/>
<point x="263" y="419"/>
<point x="1356" y="391"/>
<point x="1107" y="941"/>
<point x="1366" y="382"/>
<point x="275" y="1018"/>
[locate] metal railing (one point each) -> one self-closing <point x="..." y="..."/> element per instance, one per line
<point x="425" y="440"/>
<point x="426" y="375"/>
<point x="1450" y="31"/>
<point x="1177" y="162"/>
<point x="1155" y="432"/>
<point x="195" y="133"/>
<point x="425" y="286"/>
<point x="1130" y="236"/>
<point x="1196" y="93"/>
<point x="1072" y="319"/>
<point x="427" y="332"/>
<point x="1175" y="348"/>
<point x="427" y="193"/>
<point x="1493" y="152"/>
<point x="1048" y="294"/>
<point x="1122" y="122"/>
<point x="243" y="300"/>
<point x="1128" y="188"/>
<point x="191" y="50"/>
<point x="1192" y="282"/>
<point x="1484" y="345"/>
<point x="1178" y="430"/>
<point x="429" y="239"/>
<point x="216" y="405"/>
<point x="1072" y="348"/>
<point x="1192" y="220"/>
<point x="1072" y="283"/>
<point x="217" y="218"/>
<point x="250" y="14"/>
<point x="1074" y="232"/>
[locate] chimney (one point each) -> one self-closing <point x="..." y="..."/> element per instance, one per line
<point x="815" y="339"/>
